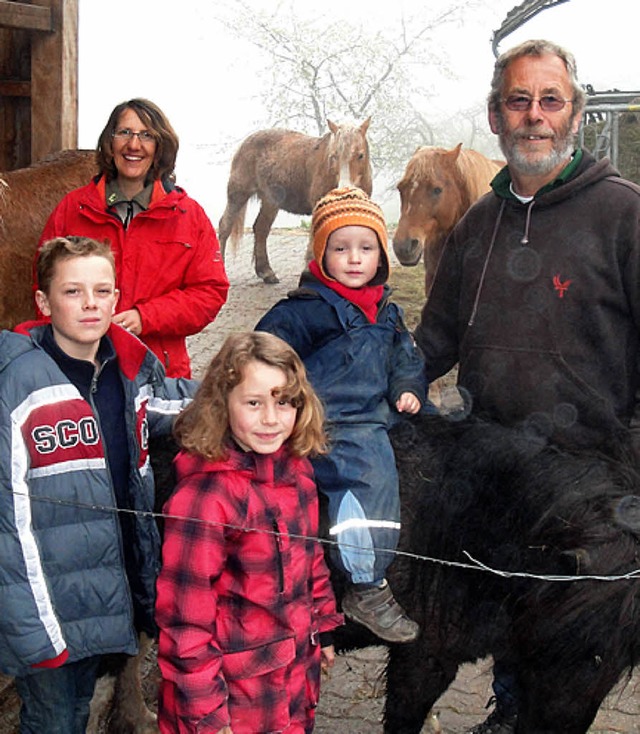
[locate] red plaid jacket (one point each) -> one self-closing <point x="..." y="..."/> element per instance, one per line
<point x="242" y="596"/>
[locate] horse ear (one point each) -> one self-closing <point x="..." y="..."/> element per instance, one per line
<point x="365" y="125"/>
<point x="455" y="152"/>
<point x="332" y="126"/>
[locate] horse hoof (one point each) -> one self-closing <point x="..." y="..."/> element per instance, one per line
<point x="270" y="278"/>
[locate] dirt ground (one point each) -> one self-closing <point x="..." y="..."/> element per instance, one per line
<point x="353" y="695"/>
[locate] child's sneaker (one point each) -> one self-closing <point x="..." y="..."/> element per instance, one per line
<point x="376" y="609"/>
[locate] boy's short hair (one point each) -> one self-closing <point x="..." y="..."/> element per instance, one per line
<point x="63" y="248"/>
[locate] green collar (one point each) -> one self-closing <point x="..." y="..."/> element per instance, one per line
<point x="115" y="195"/>
<point x="501" y="184"/>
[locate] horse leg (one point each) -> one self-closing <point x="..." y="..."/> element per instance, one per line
<point x="261" y="228"/>
<point x="415" y="681"/>
<point x="129" y="713"/>
<point x="431" y="257"/>
<point x="555" y="700"/>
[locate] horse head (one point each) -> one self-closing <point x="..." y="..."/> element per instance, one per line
<point x="347" y="158"/>
<point x="437" y="188"/>
<point x="432" y="200"/>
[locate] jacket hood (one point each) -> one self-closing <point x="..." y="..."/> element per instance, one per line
<point x="12" y="346"/>
<point x="264" y="466"/>
<point x="309" y="285"/>
<point x="588" y="172"/>
<point x="27" y="335"/>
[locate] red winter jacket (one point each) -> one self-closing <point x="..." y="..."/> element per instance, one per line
<point x="168" y="263"/>
<point x="242" y="596"/>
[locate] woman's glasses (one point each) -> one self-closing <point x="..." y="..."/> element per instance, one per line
<point x="522" y="102"/>
<point x="124" y="133"/>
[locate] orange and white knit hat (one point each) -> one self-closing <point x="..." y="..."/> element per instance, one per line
<point x="344" y="207"/>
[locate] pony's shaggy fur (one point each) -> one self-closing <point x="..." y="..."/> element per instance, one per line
<point x="516" y="505"/>
<point x="437" y="188"/>
<point x="27" y="198"/>
<point x="291" y="171"/>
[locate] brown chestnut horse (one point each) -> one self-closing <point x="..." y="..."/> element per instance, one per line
<point x="290" y="171"/>
<point x="437" y="188"/>
<point x="27" y="198"/>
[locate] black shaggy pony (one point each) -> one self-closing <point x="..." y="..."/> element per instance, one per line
<point x="514" y="504"/>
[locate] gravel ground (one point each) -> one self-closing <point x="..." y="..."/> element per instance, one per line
<point x="353" y="695"/>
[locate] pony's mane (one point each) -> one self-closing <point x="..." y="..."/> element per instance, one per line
<point x="343" y="139"/>
<point x="476" y="169"/>
<point x="473" y="167"/>
<point x="421" y="164"/>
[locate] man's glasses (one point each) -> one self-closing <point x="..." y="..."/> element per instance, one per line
<point x="124" y="133"/>
<point x="522" y="102"/>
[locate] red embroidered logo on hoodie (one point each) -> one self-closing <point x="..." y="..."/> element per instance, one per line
<point x="560" y="286"/>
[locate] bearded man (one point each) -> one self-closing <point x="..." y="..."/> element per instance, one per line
<point x="537" y="293"/>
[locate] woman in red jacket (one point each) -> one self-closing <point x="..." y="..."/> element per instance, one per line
<point x="244" y="600"/>
<point x="169" y="268"/>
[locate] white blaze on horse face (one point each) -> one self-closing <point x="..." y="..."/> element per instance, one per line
<point x="414" y="187"/>
<point x="343" y="153"/>
<point x="345" y="175"/>
<point x="350" y="154"/>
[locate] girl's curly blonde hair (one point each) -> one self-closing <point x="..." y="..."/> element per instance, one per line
<point x="203" y="426"/>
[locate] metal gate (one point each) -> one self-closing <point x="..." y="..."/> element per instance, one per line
<point x="602" y="116"/>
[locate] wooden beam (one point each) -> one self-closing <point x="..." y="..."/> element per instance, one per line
<point x="54" y="82"/>
<point x="10" y="88"/>
<point x="28" y="17"/>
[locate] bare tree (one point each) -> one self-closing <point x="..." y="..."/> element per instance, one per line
<point x="319" y="68"/>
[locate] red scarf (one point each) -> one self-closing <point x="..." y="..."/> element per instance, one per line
<point x="366" y="298"/>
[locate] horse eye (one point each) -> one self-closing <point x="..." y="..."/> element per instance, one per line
<point x="437" y="190"/>
<point x="360" y="156"/>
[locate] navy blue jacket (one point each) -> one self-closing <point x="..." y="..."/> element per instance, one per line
<point x="358" y="369"/>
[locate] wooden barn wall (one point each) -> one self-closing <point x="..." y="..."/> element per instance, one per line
<point x="38" y="80"/>
<point x="15" y="107"/>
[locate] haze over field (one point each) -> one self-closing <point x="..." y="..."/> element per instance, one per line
<point x="204" y="78"/>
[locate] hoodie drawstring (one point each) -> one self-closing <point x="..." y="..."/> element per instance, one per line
<point x="527" y="223"/>
<point x="486" y="263"/>
<point x="523" y="241"/>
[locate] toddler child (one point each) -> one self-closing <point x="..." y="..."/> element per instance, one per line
<point x="365" y="367"/>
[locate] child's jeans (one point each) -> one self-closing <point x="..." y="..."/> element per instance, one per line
<point x="56" y="700"/>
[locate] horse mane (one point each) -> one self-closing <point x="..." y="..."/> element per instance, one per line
<point x="474" y="169"/>
<point x="420" y="166"/>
